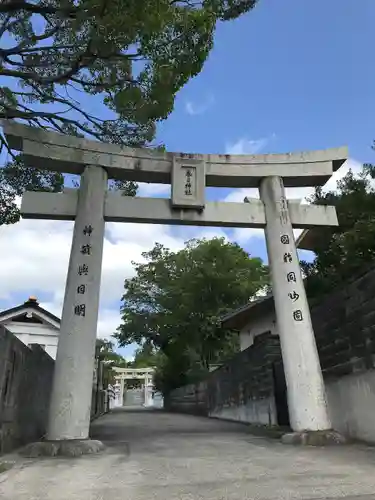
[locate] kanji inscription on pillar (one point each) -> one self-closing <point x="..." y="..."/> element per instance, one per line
<point x="86" y="249"/>
<point x="283" y="211"/>
<point x="297" y="315"/>
<point x="293" y="296"/>
<point x="288" y="257"/>
<point x="83" y="270"/>
<point x="80" y="310"/>
<point x="188" y="183"/>
<point x="291" y="276"/>
<point x="87" y="230"/>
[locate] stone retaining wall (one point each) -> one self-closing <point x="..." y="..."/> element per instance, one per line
<point x="25" y="387"/>
<point x="344" y="325"/>
<point x="243" y="386"/>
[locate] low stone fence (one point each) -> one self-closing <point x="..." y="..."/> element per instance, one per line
<point x="100" y="396"/>
<point x="25" y="387"/>
<point x="99" y="403"/>
<point x="191" y="399"/>
<point x="242" y="389"/>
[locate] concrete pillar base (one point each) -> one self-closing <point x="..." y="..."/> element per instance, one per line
<point x="68" y="448"/>
<point x="314" y="438"/>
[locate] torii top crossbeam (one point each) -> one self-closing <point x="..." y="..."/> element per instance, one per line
<point x="58" y="152"/>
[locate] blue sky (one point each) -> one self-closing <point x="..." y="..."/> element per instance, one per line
<point x="300" y="70"/>
<point x="288" y="76"/>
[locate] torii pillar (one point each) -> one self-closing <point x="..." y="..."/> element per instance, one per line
<point x="305" y="386"/>
<point x="69" y="414"/>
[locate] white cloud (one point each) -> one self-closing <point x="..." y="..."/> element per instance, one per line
<point x="243" y="234"/>
<point x="245" y="146"/>
<point x="193" y="109"/>
<point x="108" y="321"/>
<point x="212" y="232"/>
<point x="35" y="254"/>
<point x="146" y="190"/>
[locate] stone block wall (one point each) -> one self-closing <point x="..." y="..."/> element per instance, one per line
<point x="192" y="398"/>
<point x="344" y="325"/>
<point x="25" y="387"/>
<point x="247" y="376"/>
<point x="100" y="397"/>
<point x="242" y="389"/>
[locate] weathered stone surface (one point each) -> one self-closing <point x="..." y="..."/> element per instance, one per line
<point x="63" y="206"/>
<point x="306" y="392"/>
<point x="344" y="326"/>
<point x="70" y="448"/>
<point x="246" y="377"/>
<point x="69" y="413"/>
<point x="314" y="438"/>
<point x="5" y="465"/>
<point x="59" y="152"/>
<point x="25" y="386"/>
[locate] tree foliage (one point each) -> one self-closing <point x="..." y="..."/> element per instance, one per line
<point x="130" y="57"/>
<point x="145" y="356"/>
<point x="15" y="178"/>
<point x="105" y="352"/>
<point x="135" y="54"/>
<point x="175" y="301"/>
<point x="343" y="251"/>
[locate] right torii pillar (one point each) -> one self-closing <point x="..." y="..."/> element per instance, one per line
<point x="305" y="386"/>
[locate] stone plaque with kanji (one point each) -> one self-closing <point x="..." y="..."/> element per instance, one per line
<point x="188" y="183"/>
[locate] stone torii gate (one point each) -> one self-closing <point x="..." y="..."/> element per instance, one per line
<point x="122" y="375"/>
<point x="92" y="205"/>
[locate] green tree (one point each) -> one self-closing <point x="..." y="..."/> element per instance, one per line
<point x="145" y="356"/>
<point x="130" y="57"/>
<point x="175" y="301"/>
<point x="105" y="352"/>
<point x="343" y="251"/>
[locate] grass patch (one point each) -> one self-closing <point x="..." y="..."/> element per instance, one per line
<point x="4" y="466"/>
<point x="271" y="431"/>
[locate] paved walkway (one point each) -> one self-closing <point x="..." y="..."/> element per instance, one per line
<point x="160" y="456"/>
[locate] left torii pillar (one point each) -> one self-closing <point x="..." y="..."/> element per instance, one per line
<point x="70" y="405"/>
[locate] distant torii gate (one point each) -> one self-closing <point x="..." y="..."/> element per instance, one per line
<point x="92" y="205"/>
<point x="122" y="375"/>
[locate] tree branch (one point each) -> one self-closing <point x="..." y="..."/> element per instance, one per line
<point x="32" y="40"/>
<point x="12" y="6"/>
<point x="4" y="26"/>
<point x="11" y="113"/>
<point x="60" y="78"/>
